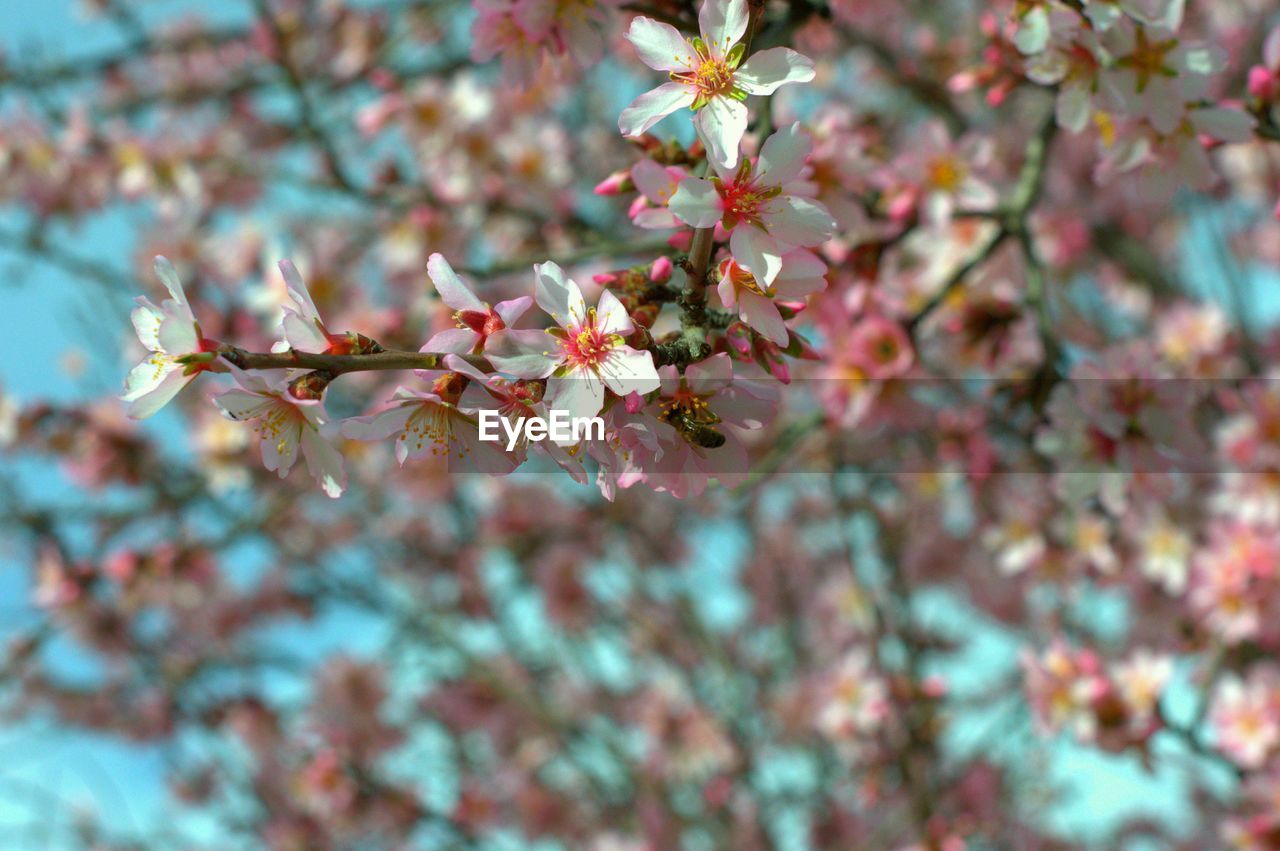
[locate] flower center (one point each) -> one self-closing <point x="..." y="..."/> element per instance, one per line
<point x="947" y="173"/>
<point x="483" y="323"/>
<point x="587" y="346"/>
<point x="711" y="76"/>
<point x="744" y="201"/>
<point x="740" y="278"/>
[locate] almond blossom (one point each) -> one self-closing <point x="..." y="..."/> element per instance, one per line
<point x="475" y="319"/>
<point x="802" y="274"/>
<point x="284" y="425"/>
<point x="172" y="334"/>
<point x="430" y="422"/>
<point x="759" y="205"/>
<point x="708" y="76"/>
<point x="582" y="356"/>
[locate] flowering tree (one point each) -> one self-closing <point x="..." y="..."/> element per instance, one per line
<point x="888" y="314"/>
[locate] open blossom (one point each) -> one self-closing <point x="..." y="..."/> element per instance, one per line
<point x="802" y="273"/>
<point x="581" y="357"/>
<point x="1245" y="716"/>
<point x="284" y="425"/>
<point x="430" y="422"/>
<point x="708" y="76"/>
<point x="759" y="205"/>
<point x="657" y="185"/>
<point x="169" y="332"/>
<point x="475" y="319"/>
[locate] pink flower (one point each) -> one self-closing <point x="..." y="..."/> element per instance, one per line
<point x="706" y="77"/>
<point x="475" y="319"/>
<point x="431" y="423"/>
<point x="1246" y="718"/>
<point x="879" y="347"/>
<point x="581" y="357"/>
<point x="802" y="273"/>
<point x="757" y="204"/>
<point x="284" y="424"/>
<point x="170" y="332"/>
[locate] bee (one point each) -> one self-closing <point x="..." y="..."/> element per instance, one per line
<point x="697" y="427"/>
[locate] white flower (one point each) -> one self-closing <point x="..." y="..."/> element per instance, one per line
<point x="583" y="356"/>
<point x="474" y="318"/>
<point x="302" y="326"/>
<point x="706" y="77"/>
<point x="757" y="205"/>
<point x="169" y="332"/>
<point x="431" y="423"/>
<point x="285" y="424"/>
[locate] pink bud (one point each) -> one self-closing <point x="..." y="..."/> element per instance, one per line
<point x="634" y="402"/>
<point x="604" y="279"/>
<point x="614" y="184"/>
<point x="660" y="271"/>
<point x="737" y="336"/>
<point x="1261" y="83"/>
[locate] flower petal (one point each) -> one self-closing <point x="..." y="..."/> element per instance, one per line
<point x="627" y="370"/>
<point x="722" y="23"/>
<point x="660" y="46"/>
<point x="611" y="316"/>
<point x="783" y="156"/>
<point x="324" y="462"/>
<point x="653" y="106"/>
<point x="696" y="203"/>
<point x="523" y="354"/>
<point x="149" y="390"/>
<point x="799" y="221"/>
<point x="580" y="393"/>
<point x="169" y="277"/>
<point x="242" y="405"/>
<point x="762" y="314"/>
<point x="770" y="69"/>
<point x="453" y="292"/>
<point x="721" y="125"/>
<point x="458" y="340"/>
<point x="559" y="296"/>
<point x="757" y="252"/>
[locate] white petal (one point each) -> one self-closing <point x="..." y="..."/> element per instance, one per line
<point x="627" y="370"/>
<point x="280" y="448"/>
<point x="762" y="314"/>
<point x="721" y="125"/>
<point x="799" y="221"/>
<point x="324" y="462"/>
<point x="710" y="375"/>
<point x="378" y="426"/>
<point x="458" y="340"/>
<point x="783" y="156"/>
<point x="559" y="296"/>
<point x="177" y="334"/>
<point x="696" y="203"/>
<point x="297" y="290"/>
<point x="302" y="333"/>
<point x="146" y="323"/>
<point x="169" y="277"/>
<point x="453" y="291"/>
<point x="767" y="70"/>
<point x="512" y="309"/>
<point x="654" y="181"/>
<point x="757" y="252"/>
<point x="241" y="405"/>
<point x="580" y="393"/>
<point x="660" y="46"/>
<point x="523" y="354"/>
<point x="149" y="391"/>
<point x="723" y="23"/>
<point x="611" y="316"/>
<point x="653" y="106"/>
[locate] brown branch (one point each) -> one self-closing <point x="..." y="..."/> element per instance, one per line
<point x="339" y="364"/>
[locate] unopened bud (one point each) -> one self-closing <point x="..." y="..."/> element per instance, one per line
<point x="660" y="270"/>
